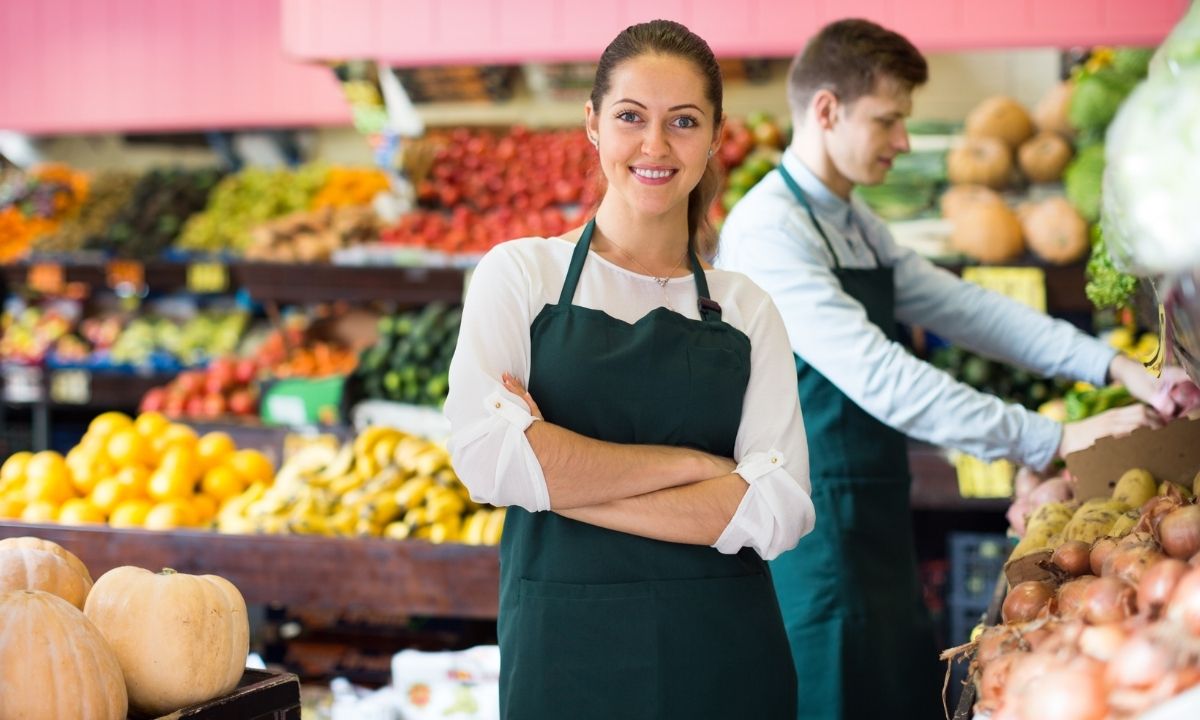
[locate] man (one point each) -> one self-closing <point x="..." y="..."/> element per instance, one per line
<point x="860" y="635"/>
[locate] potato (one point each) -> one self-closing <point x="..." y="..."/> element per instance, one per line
<point x="1135" y="487"/>
<point x="1124" y="524"/>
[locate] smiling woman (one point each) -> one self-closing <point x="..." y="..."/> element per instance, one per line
<point x="622" y="399"/>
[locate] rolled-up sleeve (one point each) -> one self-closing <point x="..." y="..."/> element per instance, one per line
<point x="771" y="449"/>
<point x="487" y="444"/>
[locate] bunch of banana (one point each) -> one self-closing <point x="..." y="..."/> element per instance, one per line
<point x="384" y="483"/>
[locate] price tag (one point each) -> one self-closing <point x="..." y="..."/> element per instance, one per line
<point x="982" y="479"/>
<point x="126" y="277"/>
<point x="46" y="278"/>
<point x="207" y="278"/>
<point x="1024" y="284"/>
<point x="71" y="387"/>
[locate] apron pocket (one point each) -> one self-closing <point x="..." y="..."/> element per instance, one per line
<point x="584" y="651"/>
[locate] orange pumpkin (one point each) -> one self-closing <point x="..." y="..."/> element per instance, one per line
<point x="1002" y="118"/>
<point x="1055" y="231"/>
<point x="980" y="161"/>
<point x="32" y="563"/>
<point x="988" y="231"/>
<point x="959" y="196"/>
<point x="1051" y="111"/>
<point x="1043" y="157"/>
<point x="54" y="663"/>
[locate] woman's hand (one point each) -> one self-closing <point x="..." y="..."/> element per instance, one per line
<point x="516" y="387"/>
<point x="1122" y="421"/>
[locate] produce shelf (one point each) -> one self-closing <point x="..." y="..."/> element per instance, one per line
<point x="319" y="283"/>
<point x="344" y="574"/>
<point x="935" y="483"/>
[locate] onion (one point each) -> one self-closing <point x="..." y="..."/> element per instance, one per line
<point x="1024" y="670"/>
<point x="1108" y="600"/>
<point x="1070" y="693"/>
<point x="1137" y="537"/>
<point x="1179" y="532"/>
<point x="995" y="641"/>
<point x="1101" y="549"/>
<point x="1026" y="601"/>
<point x="1129" y="563"/>
<point x="1070" y="596"/>
<point x="1139" y="664"/>
<point x="1103" y="641"/>
<point x="1157" y="584"/>
<point x="1185" y="601"/>
<point x="993" y="680"/>
<point x="1073" y="557"/>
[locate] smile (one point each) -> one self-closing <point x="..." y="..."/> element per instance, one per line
<point x="657" y="174"/>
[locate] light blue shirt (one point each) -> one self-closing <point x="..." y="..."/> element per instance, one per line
<point x="769" y="237"/>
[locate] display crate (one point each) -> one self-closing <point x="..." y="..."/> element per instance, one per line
<point x="976" y="560"/>
<point x="261" y="695"/>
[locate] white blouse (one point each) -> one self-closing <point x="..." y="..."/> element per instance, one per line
<point x="490" y="452"/>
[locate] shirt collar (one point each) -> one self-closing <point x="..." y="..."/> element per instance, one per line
<point x="825" y="203"/>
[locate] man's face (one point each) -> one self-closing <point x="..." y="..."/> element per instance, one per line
<point x="869" y="133"/>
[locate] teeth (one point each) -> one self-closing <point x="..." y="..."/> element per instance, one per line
<point x="653" y="174"/>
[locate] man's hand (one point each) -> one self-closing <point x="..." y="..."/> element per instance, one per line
<point x="1122" y="421"/>
<point x="1172" y="395"/>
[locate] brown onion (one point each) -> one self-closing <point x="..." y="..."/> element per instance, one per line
<point x="1102" y="641"/>
<point x="1101" y="549"/>
<point x="1157" y="584"/>
<point x="1137" y="537"/>
<point x="1026" y="601"/>
<point x="1154" y="509"/>
<point x="1026" y="669"/>
<point x="1108" y="600"/>
<point x="992" y="681"/>
<point x="1179" y="532"/>
<point x="1184" y="604"/>
<point x="1069" y="693"/>
<point x="1139" y="664"/>
<point x="1070" y="596"/>
<point x="1073" y="557"/>
<point x="995" y="641"/>
<point x="1129" y="563"/>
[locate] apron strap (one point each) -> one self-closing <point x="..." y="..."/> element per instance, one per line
<point x="803" y="200"/>
<point x="577" y="259"/>
<point x="710" y="311"/>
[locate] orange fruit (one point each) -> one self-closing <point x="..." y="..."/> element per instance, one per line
<point x="222" y="483"/>
<point x="39" y="511"/>
<point x="204" y="507"/>
<point x="166" y="484"/>
<point x="13" y="469"/>
<point x="106" y="424"/>
<point x="127" y="447"/>
<point x="168" y="515"/>
<point x="109" y="493"/>
<point x="180" y="458"/>
<point x="11" y="506"/>
<point x="213" y="449"/>
<point x="150" y="424"/>
<point x="135" y="479"/>
<point x="179" y="433"/>
<point x="87" y="468"/>
<point x="252" y="465"/>
<point x="48" y="478"/>
<point x="130" y="514"/>
<point x="78" y="511"/>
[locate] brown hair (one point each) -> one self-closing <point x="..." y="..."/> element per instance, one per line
<point x="848" y="58"/>
<point x="665" y="37"/>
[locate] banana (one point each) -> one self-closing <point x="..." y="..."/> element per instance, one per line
<point x="383" y="450"/>
<point x="365" y="467"/>
<point x="472" y="533"/>
<point x="441" y="503"/>
<point x="366" y="527"/>
<point x="430" y="460"/>
<point x="345" y="484"/>
<point x="441" y="532"/>
<point x="494" y="527"/>
<point x="366" y="439"/>
<point x="412" y="492"/>
<point x="397" y="531"/>
<point x="340" y="466"/>
<point x="416" y="517"/>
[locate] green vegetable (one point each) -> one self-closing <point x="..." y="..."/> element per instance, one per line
<point x="1132" y="62"/>
<point x="1096" y="98"/>
<point x="1083" y="404"/>
<point x="1083" y="178"/>
<point x="1106" y="285"/>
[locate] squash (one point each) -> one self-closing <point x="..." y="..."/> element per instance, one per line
<point x="1055" y="231"/>
<point x="1044" y="156"/>
<point x="38" y="543"/>
<point x="1050" y="114"/>
<point x="980" y="161"/>
<point x="24" y="568"/>
<point x="54" y="663"/>
<point x="959" y="196"/>
<point x="180" y="639"/>
<point x="988" y="231"/>
<point x="1002" y="118"/>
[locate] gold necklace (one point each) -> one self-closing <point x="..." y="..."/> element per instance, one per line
<point x="662" y="281"/>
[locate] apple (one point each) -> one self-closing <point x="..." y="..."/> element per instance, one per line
<point x="194" y="406"/>
<point x="242" y="402"/>
<point x="245" y="370"/>
<point x="154" y="400"/>
<point x="214" y="406"/>
<point x="189" y="382"/>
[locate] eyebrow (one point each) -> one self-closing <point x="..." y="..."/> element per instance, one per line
<point x="670" y="109"/>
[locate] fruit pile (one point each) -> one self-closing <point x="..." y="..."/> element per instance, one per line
<point x="411" y="361"/>
<point x="35" y="204"/>
<point x="225" y="387"/>
<point x="749" y="150"/>
<point x="1000" y="379"/>
<point x="170" y="343"/>
<point x="1108" y="625"/>
<point x="350" y="187"/>
<point x="147" y="472"/>
<point x="56" y="619"/>
<point x="469" y="232"/>
<point x="385" y="483"/>
<point x="108" y="193"/>
<point x="153" y="218"/>
<point x="30" y="332"/>
<point x="313" y="236"/>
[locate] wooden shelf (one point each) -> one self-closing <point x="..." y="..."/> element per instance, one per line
<point x="344" y="574"/>
<point x="935" y="484"/>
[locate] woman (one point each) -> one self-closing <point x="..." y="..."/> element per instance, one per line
<point x="663" y="462"/>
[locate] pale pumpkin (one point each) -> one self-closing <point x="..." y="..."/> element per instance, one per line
<point x="980" y="161"/>
<point x="1002" y="118"/>
<point x="180" y="639"/>
<point x="1055" y="231"/>
<point x="1051" y="111"/>
<point x="54" y="663"/>
<point x="1043" y="157"/>
<point x="38" y="543"/>
<point x="959" y="196"/>
<point x="23" y="568"/>
<point x="988" y="231"/>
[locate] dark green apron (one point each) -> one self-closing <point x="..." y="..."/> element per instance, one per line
<point x="861" y="637"/>
<point x="602" y="624"/>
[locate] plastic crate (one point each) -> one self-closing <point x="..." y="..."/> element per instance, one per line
<point x="976" y="561"/>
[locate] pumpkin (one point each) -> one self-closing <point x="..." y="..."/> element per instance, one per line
<point x="959" y="196"/>
<point x="980" y="161"/>
<point x="1044" y="156"/>
<point x="23" y="568"/>
<point x="52" y="547"/>
<point x="1050" y="114"/>
<point x="1002" y="118"/>
<point x="180" y="639"/>
<point x="54" y="663"/>
<point x="988" y="231"/>
<point x="1055" y="231"/>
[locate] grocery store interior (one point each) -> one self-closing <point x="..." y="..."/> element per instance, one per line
<point x="236" y="239"/>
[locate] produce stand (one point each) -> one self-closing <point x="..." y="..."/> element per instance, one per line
<point x="260" y="695"/>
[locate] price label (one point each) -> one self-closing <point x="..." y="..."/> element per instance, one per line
<point x="71" y="387"/>
<point x="207" y="278"/>
<point x="46" y="278"/>
<point x="126" y="277"/>
<point x="982" y="479"/>
<point x="1024" y="284"/>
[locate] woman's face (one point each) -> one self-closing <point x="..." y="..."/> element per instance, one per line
<point x="654" y="128"/>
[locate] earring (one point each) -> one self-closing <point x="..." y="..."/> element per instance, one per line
<point x="710" y="152"/>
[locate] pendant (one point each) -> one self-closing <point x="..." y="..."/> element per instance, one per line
<point x="662" y="282"/>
